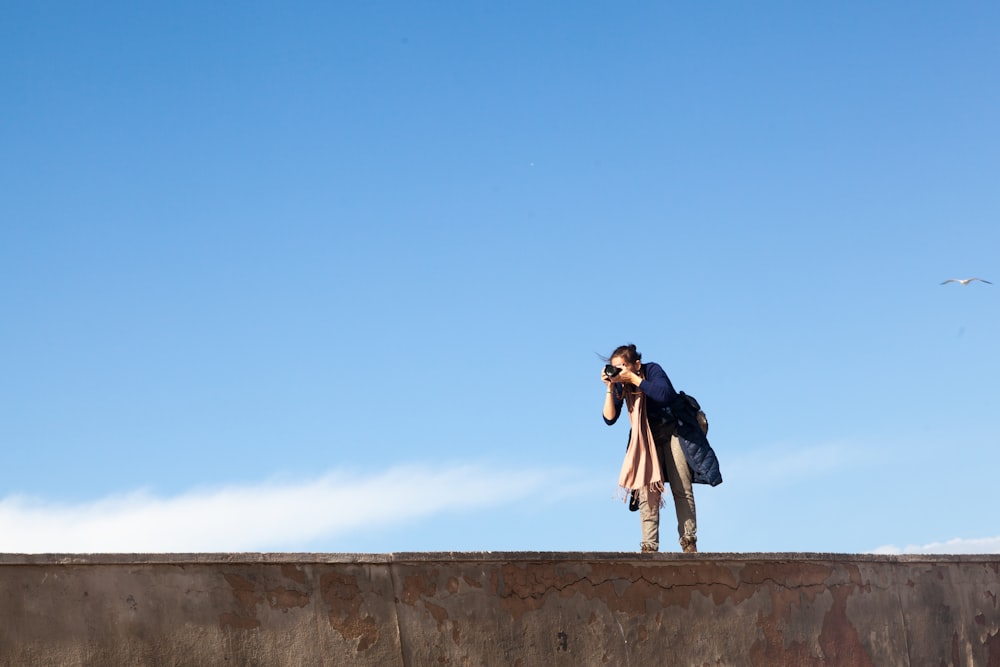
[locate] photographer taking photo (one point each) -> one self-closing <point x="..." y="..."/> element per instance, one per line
<point x="666" y="442"/>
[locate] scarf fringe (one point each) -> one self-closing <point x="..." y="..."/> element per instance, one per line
<point x="623" y="494"/>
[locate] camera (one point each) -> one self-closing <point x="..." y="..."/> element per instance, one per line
<point x="611" y="371"/>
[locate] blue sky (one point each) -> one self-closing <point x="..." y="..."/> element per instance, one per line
<point x="310" y="277"/>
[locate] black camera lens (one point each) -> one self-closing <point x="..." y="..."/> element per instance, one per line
<point x="611" y="371"/>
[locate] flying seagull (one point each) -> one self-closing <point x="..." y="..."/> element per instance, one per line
<point x="965" y="281"/>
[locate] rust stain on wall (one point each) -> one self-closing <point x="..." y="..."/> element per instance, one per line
<point x="523" y="588"/>
<point x="437" y="612"/>
<point x="419" y="590"/>
<point x="293" y="572"/>
<point x="251" y="591"/>
<point x="247" y="598"/>
<point x="244" y="590"/>
<point x="343" y="598"/>
<point x="284" y="598"/>
<point x="418" y="586"/>
<point x="838" y="637"/>
<point x="798" y="594"/>
<point x="810" y="588"/>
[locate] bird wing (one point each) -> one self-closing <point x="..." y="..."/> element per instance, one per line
<point x="965" y="281"/>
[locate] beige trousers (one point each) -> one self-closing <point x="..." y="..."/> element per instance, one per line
<point x="679" y="478"/>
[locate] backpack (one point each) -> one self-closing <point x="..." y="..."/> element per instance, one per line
<point x="693" y="404"/>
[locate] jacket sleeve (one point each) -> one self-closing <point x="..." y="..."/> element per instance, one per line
<point x="656" y="385"/>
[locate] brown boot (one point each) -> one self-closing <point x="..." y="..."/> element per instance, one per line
<point x="689" y="545"/>
<point x="647" y="549"/>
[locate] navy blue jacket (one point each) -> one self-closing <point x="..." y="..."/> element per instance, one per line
<point x="663" y="403"/>
<point x="655" y="385"/>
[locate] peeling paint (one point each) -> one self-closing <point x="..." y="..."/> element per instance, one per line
<point x="342" y="596"/>
<point x="285" y="599"/>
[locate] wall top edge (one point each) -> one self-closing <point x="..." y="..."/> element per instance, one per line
<point x="473" y="557"/>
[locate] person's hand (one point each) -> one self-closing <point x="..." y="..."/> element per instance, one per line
<point x="627" y="377"/>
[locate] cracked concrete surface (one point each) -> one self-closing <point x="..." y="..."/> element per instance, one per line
<point x="499" y="609"/>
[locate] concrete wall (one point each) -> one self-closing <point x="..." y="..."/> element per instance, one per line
<point x="499" y="609"/>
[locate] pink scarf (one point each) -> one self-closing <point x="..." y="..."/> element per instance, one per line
<point x="641" y="467"/>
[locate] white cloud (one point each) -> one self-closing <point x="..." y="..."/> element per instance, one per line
<point x="256" y="517"/>
<point x="978" y="545"/>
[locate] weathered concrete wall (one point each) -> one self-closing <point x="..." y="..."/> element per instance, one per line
<point x="499" y="609"/>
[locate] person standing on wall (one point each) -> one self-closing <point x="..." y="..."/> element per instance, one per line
<point x="667" y="441"/>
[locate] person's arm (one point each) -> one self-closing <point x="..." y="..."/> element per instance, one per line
<point x="656" y="385"/>
<point x="612" y="403"/>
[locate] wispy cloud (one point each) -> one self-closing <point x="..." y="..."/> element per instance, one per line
<point x="977" y="545"/>
<point x="256" y="517"/>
